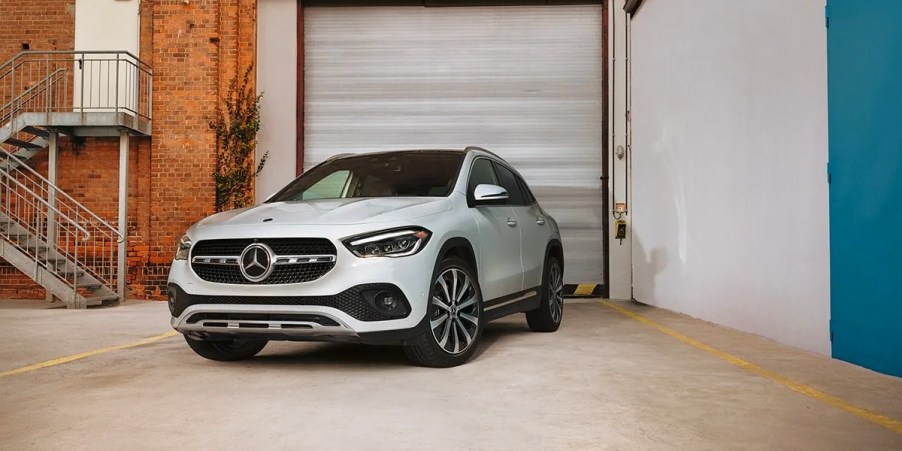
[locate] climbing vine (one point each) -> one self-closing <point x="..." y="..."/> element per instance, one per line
<point x="236" y="124"/>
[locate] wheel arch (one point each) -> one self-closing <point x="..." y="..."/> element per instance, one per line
<point x="556" y="249"/>
<point x="462" y="248"/>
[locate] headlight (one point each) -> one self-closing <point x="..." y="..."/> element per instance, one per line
<point x="181" y="251"/>
<point x="388" y="243"/>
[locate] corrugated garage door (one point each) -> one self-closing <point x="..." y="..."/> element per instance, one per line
<point x="523" y="81"/>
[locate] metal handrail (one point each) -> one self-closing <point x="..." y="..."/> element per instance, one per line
<point x="56" y="211"/>
<point x="41" y="84"/>
<point x="44" y="222"/>
<point x="69" y="52"/>
<point x="9" y="62"/>
<point x="100" y="81"/>
<point x="39" y="87"/>
<point x="54" y="241"/>
<point x="67" y="197"/>
<point x="55" y="225"/>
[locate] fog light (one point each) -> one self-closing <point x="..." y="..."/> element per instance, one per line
<point x="386" y="301"/>
<point x="172" y="302"/>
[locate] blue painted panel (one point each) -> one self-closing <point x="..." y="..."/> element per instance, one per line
<point x="864" y="42"/>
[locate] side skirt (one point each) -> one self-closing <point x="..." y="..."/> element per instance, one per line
<point x="522" y="301"/>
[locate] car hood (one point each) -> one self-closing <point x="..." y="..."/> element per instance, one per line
<point x="331" y="211"/>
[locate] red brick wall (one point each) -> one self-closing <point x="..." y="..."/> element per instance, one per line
<point x="195" y="50"/>
<point x="44" y="24"/>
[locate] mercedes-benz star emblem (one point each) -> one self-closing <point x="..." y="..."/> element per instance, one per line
<point x="256" y="262"/>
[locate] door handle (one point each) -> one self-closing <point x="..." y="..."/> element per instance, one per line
<point x="540" y="221"/>
<point x="511" y="222"/>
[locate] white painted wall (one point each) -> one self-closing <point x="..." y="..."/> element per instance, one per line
<point x="277" y="80"/>
<point x="729" y="183"/>
<point x="620" y="251"/>
<point x="106" y="25"/>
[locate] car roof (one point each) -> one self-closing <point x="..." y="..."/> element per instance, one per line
<point x="466" y="150"/>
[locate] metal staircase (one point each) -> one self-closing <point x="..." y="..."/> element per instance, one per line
<point x="76" y="255"/>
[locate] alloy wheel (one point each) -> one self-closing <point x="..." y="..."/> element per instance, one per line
<point x="556" y="293"/>
<point x="455" y="320"/>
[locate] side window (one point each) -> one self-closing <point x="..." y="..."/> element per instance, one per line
<point x="330" y="187"/>
<point x="481" y="173"/>
<point x="527" y="193"/>
<point x="510" y="183"/>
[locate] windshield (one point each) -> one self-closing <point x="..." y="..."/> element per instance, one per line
<point x="409" y="173"/>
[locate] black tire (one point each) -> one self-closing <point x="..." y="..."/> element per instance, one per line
<point x="547" y="318"/>
<point x="429" y="349"/>
<point x="226" y="350"/>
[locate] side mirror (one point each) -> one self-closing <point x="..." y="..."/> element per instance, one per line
<point x="486" y="194"/>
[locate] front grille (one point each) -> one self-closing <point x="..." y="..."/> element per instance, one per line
<point x="350" y="301"/>
<point x="281" y="246"/>
<point x="281" y="274"/>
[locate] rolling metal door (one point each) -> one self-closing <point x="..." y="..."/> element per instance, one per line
<point x="522" y="81"/>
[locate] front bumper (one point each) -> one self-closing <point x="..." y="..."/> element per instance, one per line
<point x="335" y="307"/>
<point x="282" y="323"/>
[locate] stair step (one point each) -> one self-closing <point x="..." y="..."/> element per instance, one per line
<point x="69" y="272"/>
<point x="22" y="144"/>
<point x="36" y="131"/>
<point x="24" y="154"/>
<point x="103" y="297"/>
<point x="15" y="157"/>
<point x="20" y="235"/>
<point x="38" y="251"/>
<point x="96" y="300"/>
<point x="89" y="285"/>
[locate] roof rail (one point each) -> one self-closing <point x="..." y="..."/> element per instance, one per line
<point x="481" y="149"/>
<point x="340" y="155"/>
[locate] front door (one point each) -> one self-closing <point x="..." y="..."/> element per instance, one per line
<point x="531" y="221"/>
<point x="500" y="268"/>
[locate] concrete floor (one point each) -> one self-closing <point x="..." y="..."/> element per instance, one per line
<point x="604" y="381"/>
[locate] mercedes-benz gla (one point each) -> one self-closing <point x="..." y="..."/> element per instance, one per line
<point x="414" y="248"/>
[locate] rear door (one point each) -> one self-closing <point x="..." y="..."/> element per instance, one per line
<point x="533" y="231"/>
<point x="500" y="268"/>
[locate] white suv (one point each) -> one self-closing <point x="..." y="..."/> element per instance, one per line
<point x="415" y="248"/>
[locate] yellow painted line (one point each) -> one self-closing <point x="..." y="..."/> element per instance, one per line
<point x="584" y="289"/>
<point x="74" y="357"/>
<point x="876" y="418"/>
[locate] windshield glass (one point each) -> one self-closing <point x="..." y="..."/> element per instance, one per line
<point x="411" y="173"/>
